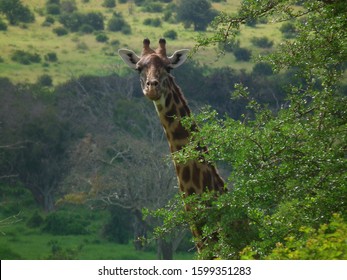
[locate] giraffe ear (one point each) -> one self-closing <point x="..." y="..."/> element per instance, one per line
<point x="178" y="58"/>
<point x="129" y="57"/>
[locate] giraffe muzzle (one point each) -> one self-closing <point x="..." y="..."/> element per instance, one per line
<point x="152" y="89"/>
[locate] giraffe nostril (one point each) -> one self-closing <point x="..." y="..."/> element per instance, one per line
<point x="153" y="83"/>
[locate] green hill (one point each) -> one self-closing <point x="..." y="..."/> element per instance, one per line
<point x="79" y="53"/>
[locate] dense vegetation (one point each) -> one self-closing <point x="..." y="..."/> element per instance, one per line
<point x="81" y="159"/>
<point x="288" y="189"/>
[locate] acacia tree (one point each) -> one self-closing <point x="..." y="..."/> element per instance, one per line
<point x="196" y="12"/>
<point x="289" y="167"/>
<point x="16" y="12"/>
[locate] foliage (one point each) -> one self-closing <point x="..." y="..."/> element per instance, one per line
<point x="53" y="9"/>
<point x="45" y="80"/>
<point x="117" y="23"/>
<point x="25" y="58"/>
<point x="3" y="25"/>
<point x="60" y="31"/>
<point x="119" y="227"/>
<point x="155" y="22"/>
<point x="171" y="34"/>
<point x="196" y="12"/>
<point x="59" y="253"/>
<point x="65" y="223"/>
<point x="289" y="168"/>
<point x="36" y="220"/>
<point x="288" y="30"/>
<point x="51" y="57"/>
<point x="101" y="37"/>
<point x="262" y="42"/>
<point x="242" y="54"/>
<point x="328" y="242"/>
<point x="75" y="20"/>
<point x="109" y="3"/>
<point x="16" y="12"/>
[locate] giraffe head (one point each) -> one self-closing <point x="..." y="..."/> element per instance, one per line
<point x="154" y="66"/>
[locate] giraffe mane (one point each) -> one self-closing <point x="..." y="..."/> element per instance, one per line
<point x="179" y="94"/>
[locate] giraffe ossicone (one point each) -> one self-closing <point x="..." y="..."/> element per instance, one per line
<point x="158" y="85"/>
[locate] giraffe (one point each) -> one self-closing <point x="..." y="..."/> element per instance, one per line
<point x="158" y="85"/>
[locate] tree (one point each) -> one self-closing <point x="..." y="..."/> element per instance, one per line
<point x="196" y="12"/>
<point x="16" y="12"/>
<point x="288" y="167"/>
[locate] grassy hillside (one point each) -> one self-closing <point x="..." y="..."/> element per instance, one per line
<point x="79" y="54"/>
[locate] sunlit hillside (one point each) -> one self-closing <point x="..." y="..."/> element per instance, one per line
<point x="79" y="53"/>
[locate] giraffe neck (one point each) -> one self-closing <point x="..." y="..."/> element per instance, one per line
<point x="193" y="176"/>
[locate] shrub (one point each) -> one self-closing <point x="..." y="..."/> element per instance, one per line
<point x="109" y="3"/>
<point x="155" y="22"/>
<point x="117" y="23"/>
<point x="60" y="31"/>
<point x="3" y="25"/>
<point x="262" y="68"/>
<point x="25" y="58"/>
<point x="153" y="8"/>
<point x="288" y="30"/>
<point x="74" y="21"/>
<point x="48" y="21"/>
<point x="68" y="6"/>
<point x="51" y="57"/>
<point x="171" y="34"/>
<point x="94" y="19"/>
<point x="35" y="220"/>
<point x="45" y="80"/>
<point x="64" y="223"/>
<point x="101" y="37"/>
<point x="126" y="29"/>
<point x="53" y="9"/>
<point x="242" y="54"/>
<point x="86" y="28"/>
<point x="262" y="42"/>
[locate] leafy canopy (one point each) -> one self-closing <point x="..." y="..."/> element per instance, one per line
<point x="288" y="178"/>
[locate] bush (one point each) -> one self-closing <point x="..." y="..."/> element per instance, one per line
<point x="51" y="57"/>
<point x="288" y="30"/>
<point x="48" y="21"/>
<point x="109" y="3"/>
<point x="86" y="28"/>
<point x="126" y="29"/>
<point x="117" y="23"/>
<point x="262" y="68"/>
<point x="171" y="34"/>
<point x="45" y="80"/>
<point x="68" y="6"/>
<point x="53" y="9"/>
<point x="60" y="31"/>
<point x="16" y="12"/>
<point x="25" y="58"/>
<point x="74" y="21"/>
<point x="262" y="42"/>
<point x="3" y="25"/>
<point x="64" y="223"/>
<point x="35" y="220"/>
<point x="119" y="227"/>
<point x="155" y="22"/>
<point x="94" y="19"/>
<point x="153" y="8"/>
<point x="101" y="37"/>
<point x="242" y="54"/>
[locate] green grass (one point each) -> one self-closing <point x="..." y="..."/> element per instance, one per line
<point x="17" y="241"/>
<point x="101" y="58"/>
